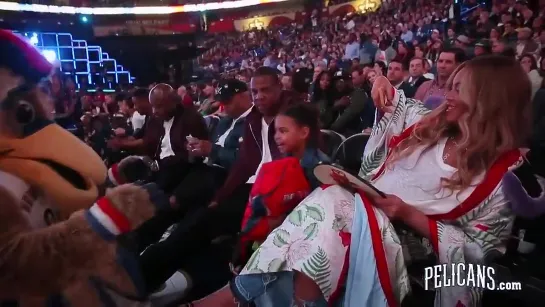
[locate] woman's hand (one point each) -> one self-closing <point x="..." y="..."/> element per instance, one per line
<point x="383" y="94"/>
<point x="391" y="205"/>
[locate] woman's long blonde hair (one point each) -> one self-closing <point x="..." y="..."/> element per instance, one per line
<point x="498" y="94"/>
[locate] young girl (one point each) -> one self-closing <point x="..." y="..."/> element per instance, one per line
<point x="297" y="135"/>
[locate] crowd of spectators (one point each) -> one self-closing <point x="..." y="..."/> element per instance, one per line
<point x="329" y="62"/>
<point x="415" y="43"/>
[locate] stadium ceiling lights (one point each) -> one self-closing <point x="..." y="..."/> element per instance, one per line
<point x="141" y="10"/>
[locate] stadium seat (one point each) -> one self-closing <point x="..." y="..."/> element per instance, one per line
<point x="350" y="151"/>
<point x="331" y="141"/>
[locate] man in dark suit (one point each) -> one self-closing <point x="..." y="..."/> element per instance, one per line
<point x="165" y="135"/>
<point x="396" y="74"/>
<point x="416" y="72"/>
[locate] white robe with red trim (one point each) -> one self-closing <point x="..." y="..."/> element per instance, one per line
<point x="469" y="231"/>
<point x="337" y="244"/>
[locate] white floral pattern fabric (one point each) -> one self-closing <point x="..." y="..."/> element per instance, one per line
<point x="310" y="239"/>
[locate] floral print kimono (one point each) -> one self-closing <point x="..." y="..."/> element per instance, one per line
<point x="344" y="243"/>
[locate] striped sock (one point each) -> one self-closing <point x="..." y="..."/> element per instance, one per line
<point x="113" y="175"/>
<point x="107" y="220"/>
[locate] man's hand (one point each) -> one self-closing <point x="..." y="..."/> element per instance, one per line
<point x="120" y="132"/>
<point x="199" y="148"/>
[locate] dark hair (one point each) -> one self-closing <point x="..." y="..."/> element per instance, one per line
<point x="533" y="60"/>
<point x="306" y="115"/>
<point x="459" y="54"/>
<point x="112" y="108"/>
<point x="120" y="97"/>
<point x="265" y="71"/>
<point x="418" y="58"/>
<point x="404" y="65"/>
<point x="509" y="51"/>
<point x="318" y="93"/>
<point x="358" y="69"/>
<point x="382" y="66"/>
<point x="141" y="93"/>
<point x="129" y="103"/>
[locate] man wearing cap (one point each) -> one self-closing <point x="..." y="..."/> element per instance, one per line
<point x="525" y="43"/>
<point x="482" y="47"/>
<point x="235" y="98"/>
<point x="463" y="42"/>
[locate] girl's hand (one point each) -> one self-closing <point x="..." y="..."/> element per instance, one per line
<point x="392" y="206"/>
<point x="383" y="94"/>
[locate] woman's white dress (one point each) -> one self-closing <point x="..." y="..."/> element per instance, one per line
<point x="465" y="227"/>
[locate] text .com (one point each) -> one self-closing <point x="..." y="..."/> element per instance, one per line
<point x="465" y="275"/>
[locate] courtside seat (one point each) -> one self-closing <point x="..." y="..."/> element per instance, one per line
<point x="350" y="151"/>
<point x="331" y="141"/>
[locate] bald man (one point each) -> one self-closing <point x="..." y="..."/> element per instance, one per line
<point x="166" y="135"/>
<point x="175" y="123"/>
<point x="172" y="126"/>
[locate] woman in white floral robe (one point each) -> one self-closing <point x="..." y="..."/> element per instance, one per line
<point x="346" y="242"/>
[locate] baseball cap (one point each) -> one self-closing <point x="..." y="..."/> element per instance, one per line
<point x="463" y="39"/>
<point x="301" y="79"/>
<point x="342" y="75"/>
<point x="482" y="43"/>
<point x="227" y="88"/>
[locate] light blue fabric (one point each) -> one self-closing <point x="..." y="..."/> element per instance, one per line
<point x="363" y="288"/>
<point x="352" y="51"/>
<point x="270" y="290"/>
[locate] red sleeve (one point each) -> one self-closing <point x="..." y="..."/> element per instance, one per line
<point x="187" y="101"/>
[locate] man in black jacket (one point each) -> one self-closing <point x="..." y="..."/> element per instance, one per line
<point x="227" y="136"/>
<point x="396" y="75"/>
<point x="350" y="107"/>
<point x="416" y="72"/>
